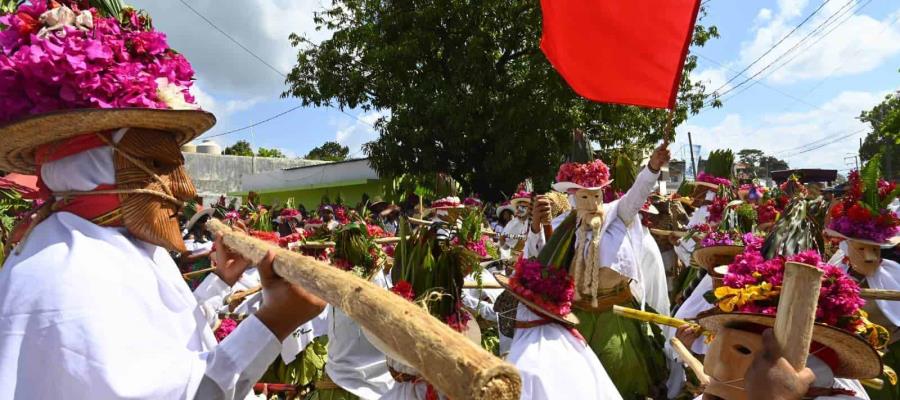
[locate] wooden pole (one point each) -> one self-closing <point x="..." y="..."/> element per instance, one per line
<point x="796" y="314"/>
<point x="880" y="294"/>
<point x="688" y="359"/>
<point x="455" y="366"/>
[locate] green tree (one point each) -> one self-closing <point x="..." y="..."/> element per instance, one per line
<point x="270" y="153"/>
<point x="329" y="151"/>
<point x="761" y="165"/>
<point x="884" y="139"/>
<point x="469" y="91"/>
<point x="241" y="148"/>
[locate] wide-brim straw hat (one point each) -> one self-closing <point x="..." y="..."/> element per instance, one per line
<point x="566" y="186"/>
<point x="711" y="257"/>
<point x="505" y="207"/>
<point x="22" y="137"/>
<point x="568" y="319"/>
<point x="890" y="243"/>
<point x="856" y="358"/>
<point x="199" y="214"/>
<point x="515" y="201"/>
<point x="708" y="185"/>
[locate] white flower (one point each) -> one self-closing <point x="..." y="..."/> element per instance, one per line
<point x="173" y="95"/>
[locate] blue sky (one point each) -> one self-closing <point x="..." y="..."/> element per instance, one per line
<point x="814" y="97"/>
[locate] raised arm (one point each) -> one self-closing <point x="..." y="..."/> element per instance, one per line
<point x="634" y="199"/>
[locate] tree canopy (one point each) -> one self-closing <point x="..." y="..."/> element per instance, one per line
<point x="241" y="148"/>
<point x="761" y="165"/>
<point x="329" y="151"/>
<point x="884" y="139"/>
<point x="469" y="92"/>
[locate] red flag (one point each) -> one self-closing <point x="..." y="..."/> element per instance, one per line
<point x="620" y="51"/>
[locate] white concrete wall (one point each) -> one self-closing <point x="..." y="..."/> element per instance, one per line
<point x="309" y="175"/>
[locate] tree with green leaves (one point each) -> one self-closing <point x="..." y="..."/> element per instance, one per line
<point x="241" y="148"/>
<point x="884" y="138"/>
<point x="329" y="151"/>
<point x="469" y="92"/>
<point x="761" y="165"/>
<point x="270" y="153"/>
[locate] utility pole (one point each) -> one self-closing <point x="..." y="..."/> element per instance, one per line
<point x="693" y="164"/>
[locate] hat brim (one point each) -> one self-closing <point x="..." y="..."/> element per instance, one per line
<point x="890" y="243"/>
<point x="667" y="233"/>
<point x="506" y="207"/>
<point x="199" y="214"/>
<point x="566" y="186"/>
<point x="22" y="137"/>
<point x="515" y="202"/>
<point x="568" y="319"/>
<point x="711" y="257"/>
<point x="708" y="185"/>
<point x="856" y="358"/>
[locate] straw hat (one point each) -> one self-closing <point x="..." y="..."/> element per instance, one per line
<point x="890" y="243"/>
<point x="22" y="137"/>
<point x="199" y="214"/>
<point x="711" y="257"/>
<point x="568" y="319"/>
<point x="856" y="359"/>
<point x="505" y="207"/>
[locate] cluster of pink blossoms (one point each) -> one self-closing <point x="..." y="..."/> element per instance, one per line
<point x="110" y="65"/>
<point x="592" y="174"/>
<point x="550" y="288"/>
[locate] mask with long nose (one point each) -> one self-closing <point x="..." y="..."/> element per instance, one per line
<point x="864" y="257"/>
<point x="586" y="266"/>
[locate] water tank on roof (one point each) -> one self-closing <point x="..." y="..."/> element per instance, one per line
<point x="189" y="148"/>
<point x="209" y="147"/>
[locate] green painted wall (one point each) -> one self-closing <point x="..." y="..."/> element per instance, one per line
<point x="351" y="192"/>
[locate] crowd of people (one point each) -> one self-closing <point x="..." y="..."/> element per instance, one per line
<point x="114" y="285"/>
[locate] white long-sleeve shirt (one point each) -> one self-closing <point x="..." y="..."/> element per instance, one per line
<point x="88" y="312"/>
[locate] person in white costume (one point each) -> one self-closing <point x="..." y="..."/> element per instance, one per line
<point x="102" y="314"/>
<point x="514" y="231"/>
<point x="92" y="306"/>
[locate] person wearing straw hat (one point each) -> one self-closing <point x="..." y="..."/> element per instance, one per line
<point x="504" y="214"/>
<point x="514" y="232"/>
<point x="92" y="306"/>
<point x="867" y="226"/>
<point x="607" y="248"/>
<point x="844" y="342"/>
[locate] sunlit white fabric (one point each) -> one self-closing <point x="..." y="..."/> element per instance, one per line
<point x="553" y="364"/>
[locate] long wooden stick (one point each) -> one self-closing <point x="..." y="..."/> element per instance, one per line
<point x="880" y="294"/>
<point x="457" y="367"/>
<point x="243" y="294"/>
<point x="192" y="274"/>
<point x="796" y="314"/>
<point x="652" y="317"/>
<point x="688" y="359"/>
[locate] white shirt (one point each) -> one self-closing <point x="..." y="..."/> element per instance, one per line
<point x="88" y="312"/>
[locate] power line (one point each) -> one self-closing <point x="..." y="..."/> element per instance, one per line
<point x="779" y="91"/>
<point x="260" y="59"/>
<point x="778" y="58"/>
<point x="769" y="50"/>
<point x="233" y="40"/>
<point x="835" y="140"/>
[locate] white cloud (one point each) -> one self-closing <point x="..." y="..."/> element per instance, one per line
<point x="764" y="15"/>
<point x="355" y="132"/>
<point x="858" y="43"/>
<point x="781" y="134"/>
<point x="263" y="26"/>
<point x="222" y="109"/>
<point x="712" y="78"/>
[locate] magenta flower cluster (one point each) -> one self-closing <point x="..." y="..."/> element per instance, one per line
<point x="112" y="65"/>
<point x="715" y="180"/>
<point x="592" y="174"/>
<point x="839" y="299"/>
<point x="550" y="288"/>
<point x="225" y="328"/>
<point x="717" y="239"/>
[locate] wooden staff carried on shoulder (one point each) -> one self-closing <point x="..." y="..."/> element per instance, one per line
<point x="457" y="367"/>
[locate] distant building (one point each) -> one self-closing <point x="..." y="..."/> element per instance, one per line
<point x="349" y="180"/>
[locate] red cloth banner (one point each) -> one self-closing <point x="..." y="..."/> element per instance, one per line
<point x="620" y="51"/>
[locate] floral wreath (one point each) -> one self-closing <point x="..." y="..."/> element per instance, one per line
<point x="863" y="213"/>
<point x="592" y="174"/>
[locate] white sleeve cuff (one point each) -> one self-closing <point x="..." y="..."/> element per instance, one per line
<point x="212" y="286"/>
